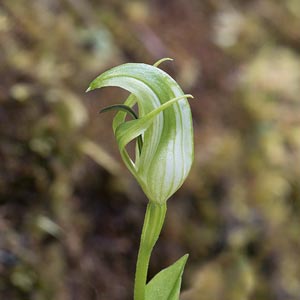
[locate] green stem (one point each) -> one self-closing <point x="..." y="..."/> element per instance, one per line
<point x="154" y="219"/>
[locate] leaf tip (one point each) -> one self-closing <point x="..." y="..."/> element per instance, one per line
<point x="185" y="257"/>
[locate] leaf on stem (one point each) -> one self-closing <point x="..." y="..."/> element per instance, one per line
<point x="166" y="284"/>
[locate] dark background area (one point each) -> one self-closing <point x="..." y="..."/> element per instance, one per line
<point x="71" y="214"/>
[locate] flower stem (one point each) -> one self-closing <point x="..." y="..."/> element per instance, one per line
<point x="154" y="219"/>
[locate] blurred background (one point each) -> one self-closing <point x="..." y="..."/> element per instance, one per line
<point x="71" y="214"/>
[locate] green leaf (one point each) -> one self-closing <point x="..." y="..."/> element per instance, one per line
<point x="166" y="284"/>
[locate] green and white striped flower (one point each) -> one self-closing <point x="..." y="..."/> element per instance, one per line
<point x="164" y="132"/>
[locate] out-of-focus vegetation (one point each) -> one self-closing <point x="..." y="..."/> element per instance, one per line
<point x="69" y="212"/>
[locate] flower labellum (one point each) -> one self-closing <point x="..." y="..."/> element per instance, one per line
<point x="164" y="132"/>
